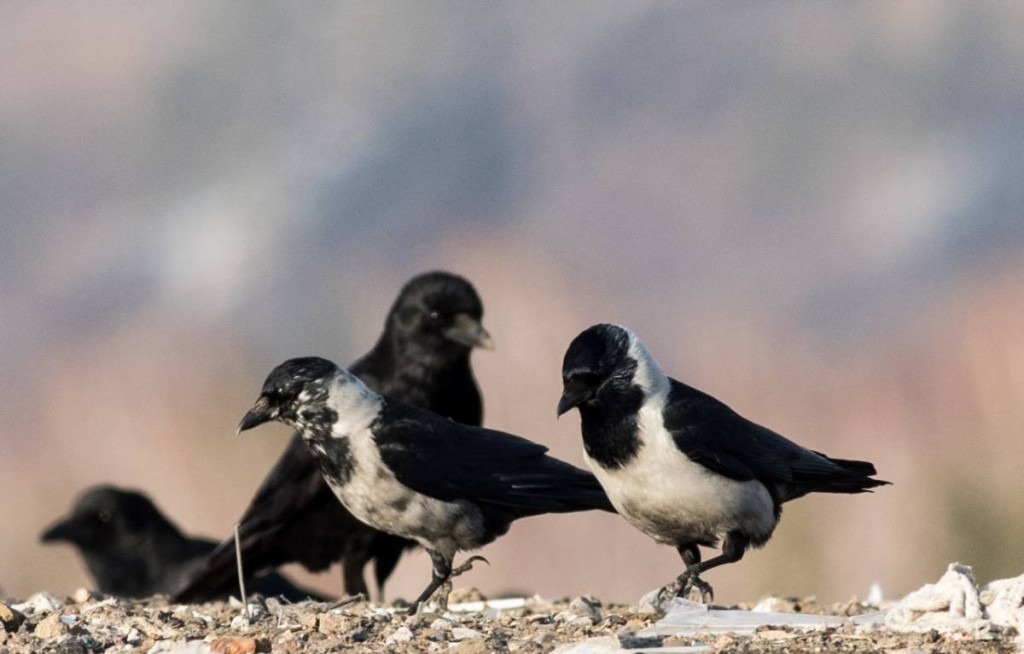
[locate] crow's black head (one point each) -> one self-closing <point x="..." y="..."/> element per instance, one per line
<point x="104" y="518"/>
<point x="291" y="389"/>
<point x="438" y="311"/>
<point x="598" y="358"/>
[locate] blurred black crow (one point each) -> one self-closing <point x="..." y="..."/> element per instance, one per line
<point x="422" y="358"/>
<point x="413" y="473"/>
<point x="132" y="550"/>
<point x="681" y="466"/>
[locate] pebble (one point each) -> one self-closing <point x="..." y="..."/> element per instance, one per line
<point x="331" y="623"/>
<point x="586" y="607"/>
<point x="51" y="627"/>
<point x="400" y="635"/>
<point x="180" y="646"/>
<point x="462" y="633"/>
<point x="10" y="618"/>
<point x="234" y="645"/>
<point x="474" y="646"/>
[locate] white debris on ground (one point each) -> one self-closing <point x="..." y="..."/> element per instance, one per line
<point x="954" y="603"/>
<point x="951" y="614"/>
<point x="952" y="606"/>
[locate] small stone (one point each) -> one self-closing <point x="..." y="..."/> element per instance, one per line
<point x="400" y="635"/>
<point x="134" y="637"/>
<point x="474" y="646"/>
<point x="441" y="624"/>
<point x="180" y="646"/>
<point x="82" y="595"/>
<point x="10" y="618"/>
<point x="50" y="627"/>
<point x="310" y="621"/>
<point x="463" y="595"/>
<point x="359" y="636"/>
<point x="332" y="623"/>
<point x="240" y="623"/>
<point x="544" y="638"/>
<point x="775" y="634"/>
<point x="587" y="607"/>
<point x="234" y="645"/>
<point x="462" y="633"/>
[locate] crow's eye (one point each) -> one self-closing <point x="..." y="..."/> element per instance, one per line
<point x="105" y="515"/>
<point x="434" y="316"/>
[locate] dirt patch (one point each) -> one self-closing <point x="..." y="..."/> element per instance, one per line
<point x="97" y="624"/>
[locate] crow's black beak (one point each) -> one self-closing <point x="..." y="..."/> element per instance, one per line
<point x="62" y="530"/>
<point x="258" y="414"/>
<point x="569" y="400"/>
<point x="468" y="331"/>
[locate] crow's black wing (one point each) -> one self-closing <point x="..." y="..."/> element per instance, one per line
<point x="449" y="461"/>
<point x="713" y="435"/>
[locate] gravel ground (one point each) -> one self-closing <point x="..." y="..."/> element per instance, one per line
<point x="93" y="623"/>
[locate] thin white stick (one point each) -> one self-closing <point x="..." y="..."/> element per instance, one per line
<point x="241" y="576"/>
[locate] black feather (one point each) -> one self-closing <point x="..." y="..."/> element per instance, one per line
<point x="132" y="550"/>
<point x="294" y="516"/>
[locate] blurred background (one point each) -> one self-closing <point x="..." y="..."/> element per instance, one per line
<point x="814" y="211"/>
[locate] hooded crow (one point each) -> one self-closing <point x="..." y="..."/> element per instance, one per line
<point x="413" y="473"/>
<point x="132" y="550"/>
<point x="681" y="466"/>
<point x="422" y="358"/>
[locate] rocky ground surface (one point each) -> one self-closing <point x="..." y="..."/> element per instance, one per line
<point x="92" y="623"/>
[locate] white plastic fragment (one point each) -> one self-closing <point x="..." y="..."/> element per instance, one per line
<point x="39" y="603"/>
<point x="1007" y="603"/>
<point x="683" y="617"/>
<point x="952" y="603"/>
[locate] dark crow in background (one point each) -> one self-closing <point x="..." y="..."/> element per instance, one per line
<point x="681" y="466"/>
<point x="413" y="473"/>
<point x="132" y="550"/>
<point x="422" y="358"/>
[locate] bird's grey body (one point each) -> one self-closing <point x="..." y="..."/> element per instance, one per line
<point x="369" y="489"/>
<point x="665" y="494"/>
<point x="681" y="466"/>
<point x="413" y="473"/>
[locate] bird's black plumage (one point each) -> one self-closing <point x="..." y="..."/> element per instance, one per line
<point x="415" y="474"/>
<point x="682" y="466"/>
<point x="132" y="550"/>
<point x="422" y="358"/>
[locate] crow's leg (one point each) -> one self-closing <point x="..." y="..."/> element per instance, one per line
<point x="446" y="588"/>
<point x="383" y="566"/>
<point x="690" y="554"/>
<point x="734" y="545"/>
<point x="441" y="570"/>
<point x="442" y="578"/>
<point x="352" y="575"/>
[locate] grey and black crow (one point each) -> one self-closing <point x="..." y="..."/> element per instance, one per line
<point x="681" y="466"/>
<point x="132" y="550"/>
<point x="413" y="473"/>
<point x="421" y="358"/>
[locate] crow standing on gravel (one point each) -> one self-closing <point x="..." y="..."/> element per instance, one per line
<point x="422" y="358"/>
<point x="132" y="550"/>
<point x="413" y="473"/>
<point x="681" y="466"/>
